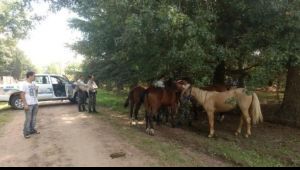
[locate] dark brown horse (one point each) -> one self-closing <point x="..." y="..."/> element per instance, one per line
<point x="157" y="98"/>
<point x="135" y="100"/>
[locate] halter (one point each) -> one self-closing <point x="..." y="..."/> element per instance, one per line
<point x="189" y="97"/>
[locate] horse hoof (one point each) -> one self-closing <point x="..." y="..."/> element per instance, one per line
<point x="147" y="131"/>
<point x="151" y="132"/>
<point x="210" y="136"/>
<point x="247" y="136"/>
<point x="222" y="118"/>
<point x="237" y="133"/>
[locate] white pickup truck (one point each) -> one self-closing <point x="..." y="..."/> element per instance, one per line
<point x="51" y="87"/>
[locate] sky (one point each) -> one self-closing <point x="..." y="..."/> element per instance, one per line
<point x="46" y="43"/>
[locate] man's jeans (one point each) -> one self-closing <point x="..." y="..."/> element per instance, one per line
<point x="30" y="120"/>
<point x="92" y="101"/>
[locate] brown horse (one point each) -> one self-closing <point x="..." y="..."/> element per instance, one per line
<point x="157" y="98"/>
<point x="135" y="100"/>
<point x="213" y="102"/>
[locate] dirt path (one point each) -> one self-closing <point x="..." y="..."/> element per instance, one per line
<point x="67" y="138"/>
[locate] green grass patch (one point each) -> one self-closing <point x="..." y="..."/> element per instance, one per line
<point x="3" y="106"/>
<point x="269" y="97"/>
<point x="4" y="118"/>
<point x="241" y="156"/>
<point x="260" y="151"/>
<point x="112" y="100"/>
<point x="166" y="153"/>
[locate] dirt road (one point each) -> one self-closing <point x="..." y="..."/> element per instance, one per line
<point x="67" y="138"/>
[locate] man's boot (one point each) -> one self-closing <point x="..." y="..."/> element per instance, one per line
<point x="94" y="110"/>
<point x="83" y="106"/>
<point x="79" y="108"/>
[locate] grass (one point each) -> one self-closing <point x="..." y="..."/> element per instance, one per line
<point x="4" y="119"/>
<point x="4" y="116"/>
<point x="259" y="151"/>
<point x="167" y="154"/>
<point x="241" y="156"/>
<point x="3" y="106"/>
<point x="112" y="100"/>
<point x="269" y="97"/>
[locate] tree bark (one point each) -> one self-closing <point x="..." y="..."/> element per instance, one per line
<point x="289" y="113"/>
<point x="219" y="74"/>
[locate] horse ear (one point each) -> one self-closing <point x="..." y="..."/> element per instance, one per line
<point x="180" y="82"/>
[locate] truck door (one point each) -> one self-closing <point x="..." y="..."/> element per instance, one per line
<point x="69" y="87"/>
<point x="45" y="90"/>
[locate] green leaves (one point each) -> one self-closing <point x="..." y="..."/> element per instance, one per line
<point x="14" y="25"/>
<point x="231" y="101"/>
<point x="247" y="92"/>
<point x="137" y="40"/>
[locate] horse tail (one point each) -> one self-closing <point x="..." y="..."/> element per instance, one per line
<point x="255" y="111"/>
<point x="126" y="102"/>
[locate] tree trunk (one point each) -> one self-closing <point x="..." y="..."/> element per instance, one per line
<point x="289" y="112"/>
<point x="219" y="74"/>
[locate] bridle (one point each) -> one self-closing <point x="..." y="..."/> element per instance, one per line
<point x="189" y="97"/>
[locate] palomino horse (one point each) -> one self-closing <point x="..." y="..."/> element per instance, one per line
<point x="135" y="100"/>
<point x="217" y="88"/>
<point x="214" y="102"/>
<point x="156" y="98"/>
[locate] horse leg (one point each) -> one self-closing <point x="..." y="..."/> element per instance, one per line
<point x="220" y="117"/>
<point x="131" y="112"/>
<point x="158" y="119"/>
<point x="147" y="122"/>
<point x="173" y="113"/>
<point x="248" y="121"/>
<point x="211" y="124"/>
<point x="151" y="129"/>
<point x="239" y="130"/>
<point x="136" y="111"/>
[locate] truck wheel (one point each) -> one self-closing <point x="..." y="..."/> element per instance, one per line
<point x="17" y="103"/>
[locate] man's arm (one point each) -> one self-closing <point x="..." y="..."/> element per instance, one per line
<point x="95" y="86"/>
<point x="22" y="95"/>
<point x="36" y="90"/>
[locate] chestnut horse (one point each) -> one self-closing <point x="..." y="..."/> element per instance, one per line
<point x="213" y="102"/>
<point x="157" y="98"/>
<point x="135" y="100"/>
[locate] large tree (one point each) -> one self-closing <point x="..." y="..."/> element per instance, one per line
<point x="14" y="25"/>
<point x="287" y="49"/>
<point x="126" y="41"/>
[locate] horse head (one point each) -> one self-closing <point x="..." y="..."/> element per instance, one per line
<point x="185" y="88"/>
<point x="183" y="85"/>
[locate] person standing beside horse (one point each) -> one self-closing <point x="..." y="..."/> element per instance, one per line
<point x="82" y="88"/>
<point x="92" y="94"/>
